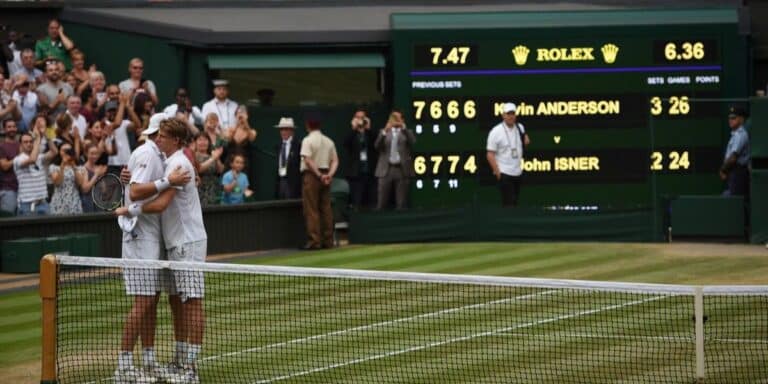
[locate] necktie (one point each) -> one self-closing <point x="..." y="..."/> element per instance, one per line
<point x="284" y="154"/>
<point x="394" y="155"/>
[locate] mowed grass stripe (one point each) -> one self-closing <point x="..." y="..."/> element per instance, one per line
<point x="531" y="263"/>
<point x="405" y="261"/>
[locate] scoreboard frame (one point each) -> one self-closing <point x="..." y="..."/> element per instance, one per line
<point x="621" y="91"/>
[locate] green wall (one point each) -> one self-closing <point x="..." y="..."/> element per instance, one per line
<point x="111" y="51"/>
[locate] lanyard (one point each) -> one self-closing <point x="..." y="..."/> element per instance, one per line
<point x="226" y="109"/>
<point x="509" y="141"/>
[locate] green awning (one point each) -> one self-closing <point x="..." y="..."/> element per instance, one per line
<point x="488" y="20"/>
<point x="294" y="61"/>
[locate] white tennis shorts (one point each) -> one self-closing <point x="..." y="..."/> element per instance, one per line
<point x="188" y="284"/>
<point x="142" y="281"/>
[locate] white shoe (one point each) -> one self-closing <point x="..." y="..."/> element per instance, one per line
<point x="171" y="373"/>
<point x="133" y="375"/>
<point x="190" y="375"/>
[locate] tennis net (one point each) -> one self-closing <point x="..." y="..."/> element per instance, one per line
<point x="268" y="324"/>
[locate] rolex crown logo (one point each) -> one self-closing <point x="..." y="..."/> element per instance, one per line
<point x="609" y="53"/>
<point x="521" y="54"/>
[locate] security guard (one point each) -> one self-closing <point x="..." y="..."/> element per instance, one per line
<point x="736" y="159"/>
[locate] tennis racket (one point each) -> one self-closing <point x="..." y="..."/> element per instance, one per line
<point x="107" y="193"/>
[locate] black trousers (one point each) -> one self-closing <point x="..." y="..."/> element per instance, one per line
<point x="362" y="190"/>
<point x="510" y="190"/>
<point x="738" y="181"/>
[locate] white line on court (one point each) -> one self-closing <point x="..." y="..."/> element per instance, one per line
<point x="458" y="339"/>
<point x="376" y="325"/>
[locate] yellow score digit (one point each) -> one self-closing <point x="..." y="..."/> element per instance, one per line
<point x="436" y="51"/>
<point x="656" y="108"/>
<point x="436" y="110"/>
<point x="470" y="165"/>
<point x="419" y="106"/>
<point x="436" y="160"/>
<point x="419" y="165"/>
<point x="454" y="160"/>
<point x="656" y="158"/>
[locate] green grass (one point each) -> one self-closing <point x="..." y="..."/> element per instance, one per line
<point x="517" y="340"/>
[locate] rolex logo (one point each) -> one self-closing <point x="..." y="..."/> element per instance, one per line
<point x="609" y="53"/>
<point x="521" y="54"/>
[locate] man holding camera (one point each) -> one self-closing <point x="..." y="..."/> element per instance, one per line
<point x="54" y="92"/>
<point x="395" y="165"/>
<point x="360" y="160"/>
<point x="184" y="108"/>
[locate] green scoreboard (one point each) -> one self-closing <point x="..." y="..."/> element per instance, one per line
<point x="621" y="107"/>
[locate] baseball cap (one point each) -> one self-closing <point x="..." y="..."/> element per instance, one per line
<point x="510" y="107"/>
<point x="220" y="83"/>
<point x="736" y="110"/>
<point x="154" y="124"/>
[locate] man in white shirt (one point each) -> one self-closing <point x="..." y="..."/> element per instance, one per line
<point x="183" y="106"/>
<point x="505" y="154"/>
<point x="185" y="240"/>
<point x="222" y="106"/>
<point x="117" y="130"/>
<point x="142" y="241"/>
<point x="136" y="82"/>
<point x="26" y="100"/>
<point x="74" y="103"/>
<point x="30" y="173"/>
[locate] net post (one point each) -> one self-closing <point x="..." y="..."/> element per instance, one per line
<point x="698" y="309"/>
<point x="49" y="271"/>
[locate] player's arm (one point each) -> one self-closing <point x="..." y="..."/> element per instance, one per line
<point x="142" y="191"/>
<point x="155" y="206"/>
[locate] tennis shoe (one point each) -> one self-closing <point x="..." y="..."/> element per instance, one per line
<point x="172" y="373"/>
<point x="133" y="375"/>
<point x="190" y="375"/>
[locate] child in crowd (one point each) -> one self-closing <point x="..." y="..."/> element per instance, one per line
<point x="235" y="182"/>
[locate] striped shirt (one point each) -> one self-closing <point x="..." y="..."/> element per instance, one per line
<point x="31" y="179"/>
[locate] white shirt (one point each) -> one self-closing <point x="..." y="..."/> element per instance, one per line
<point x="224" y="109"/>
<point x="79" y="123"/>
<point x="183" y="218"/>
<point x="145" y="165"/>
<point x="195" y="117"/>
<point x="506" y="143"/>
<point x="127" y="86"/>
<point x="31" y="178"/>
<point x="122" y="144"/>
<point x="14" y="66"/>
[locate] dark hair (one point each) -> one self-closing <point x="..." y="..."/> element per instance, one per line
<point x="206" y="137"/>
<point x="5" y="122"/>
<point x="234" y="154"/>
<point x="139" y="101"/>
<point x="63" y="123"/>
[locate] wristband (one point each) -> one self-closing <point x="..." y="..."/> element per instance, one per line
<point x="162" y="184"/>
<point x="134" y="210"/>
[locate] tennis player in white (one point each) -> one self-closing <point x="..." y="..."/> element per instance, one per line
<point x="142" y="241"/>
<point x="185" y="240"/>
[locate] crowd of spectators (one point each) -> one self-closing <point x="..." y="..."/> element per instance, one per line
<point x="64" y="125"/>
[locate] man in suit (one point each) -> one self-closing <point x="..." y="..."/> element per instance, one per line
<point x="395" y="165"/>
<point x="360" y="160"/>
<point x="288" y="181"/>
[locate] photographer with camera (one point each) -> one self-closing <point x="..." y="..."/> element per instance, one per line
<point x="183" y="108"/>
<point x="361" y="159"/>
<point x="395" y="166"/>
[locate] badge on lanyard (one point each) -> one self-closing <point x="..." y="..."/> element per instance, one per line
<point x="363" y="155"/>
<point x="282" y="171"/>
